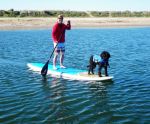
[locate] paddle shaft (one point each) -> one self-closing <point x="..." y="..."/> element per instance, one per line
<point x="53" y="51"/>
<point x="45" y="67"/>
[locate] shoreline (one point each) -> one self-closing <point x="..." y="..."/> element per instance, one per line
<point x="47" y="23"/>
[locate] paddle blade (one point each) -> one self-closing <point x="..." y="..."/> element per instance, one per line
<point x="45" y="69"/>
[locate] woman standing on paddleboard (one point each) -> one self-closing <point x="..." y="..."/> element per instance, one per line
<point x="58" y="35"/>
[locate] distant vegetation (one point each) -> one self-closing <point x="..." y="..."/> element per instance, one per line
<point x="48" y="13"/>
<point x="120" y="14"/>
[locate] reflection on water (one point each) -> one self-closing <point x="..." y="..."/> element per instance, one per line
<point x="63" y="99"/>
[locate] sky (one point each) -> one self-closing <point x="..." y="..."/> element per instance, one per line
<point x="76" y="5"/>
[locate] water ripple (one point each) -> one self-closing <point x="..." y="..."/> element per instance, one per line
<point x="26" y="97"/>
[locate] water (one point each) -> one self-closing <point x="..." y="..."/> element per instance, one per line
<point x="25" y="97"/>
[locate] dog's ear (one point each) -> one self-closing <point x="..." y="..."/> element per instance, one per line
<point x="108" y="55"/>
<point x="102" y="54"/>
<point x="105" y="55"/>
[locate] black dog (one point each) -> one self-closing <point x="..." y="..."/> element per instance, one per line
<point x="102" y="61"/>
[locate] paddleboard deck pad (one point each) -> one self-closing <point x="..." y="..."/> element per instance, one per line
<point x="68" y="73"/>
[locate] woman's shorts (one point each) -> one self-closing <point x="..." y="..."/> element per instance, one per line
<point x="60" y="47"/>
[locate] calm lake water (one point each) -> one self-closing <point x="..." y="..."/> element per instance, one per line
<point x="27" y="98"/>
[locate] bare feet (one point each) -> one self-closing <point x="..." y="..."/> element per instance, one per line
<point x="62" y="66"/>
<point x="54" y="67"/>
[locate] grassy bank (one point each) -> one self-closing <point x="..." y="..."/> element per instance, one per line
<point x="52" y="13"/>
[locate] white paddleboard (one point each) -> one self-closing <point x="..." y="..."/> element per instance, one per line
<point x="68" y="73"/>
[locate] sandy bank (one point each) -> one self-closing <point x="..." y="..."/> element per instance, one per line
<point x="46" y="23"/>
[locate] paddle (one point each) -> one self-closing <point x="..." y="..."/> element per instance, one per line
<point x="45" y="67"/>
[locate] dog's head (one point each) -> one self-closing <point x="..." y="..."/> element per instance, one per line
<point x="105" y="55"/>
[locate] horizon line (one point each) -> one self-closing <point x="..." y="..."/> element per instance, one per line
<point x="75" y="10"/>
